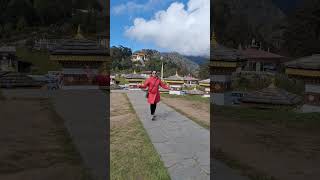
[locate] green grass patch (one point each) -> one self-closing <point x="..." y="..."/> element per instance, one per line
<point x="188" y="97"/>
<point x="40" y="59"/>
<point x="281" y="116"/>
<point x="132" y="153"/>
<point x="121" y="80"/>
<point x="69" y="151"/>
<point x="243" y="169"/>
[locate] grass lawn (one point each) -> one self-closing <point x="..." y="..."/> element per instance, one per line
<point x="188" y="97"/>
<point x="36" y="143"/>
<point x="191" y="107"/>
<point x="40" y="59"/>
<point x="241" y="168"/>
<point x="132" y="153"/>
<point x="288" y="118"/>
<point x="280" y="131"/>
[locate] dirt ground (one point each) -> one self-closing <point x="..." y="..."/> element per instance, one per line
<point x="120" y="112"/>
<point x="277" y="151"/>
<point x="194" y="109"/>
<point x="260" y="148"/>
<point x="34" y="144"/>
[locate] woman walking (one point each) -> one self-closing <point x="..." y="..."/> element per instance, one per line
<point x="153" y="94"/>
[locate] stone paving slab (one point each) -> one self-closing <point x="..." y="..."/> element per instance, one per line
<point x="183" y="145"/>
<point x="85" y="113"/>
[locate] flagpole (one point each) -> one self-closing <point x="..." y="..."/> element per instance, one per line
<point x="161" y="68"/>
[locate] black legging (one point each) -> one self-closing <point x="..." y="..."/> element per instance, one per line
<point x="153" y="108"/>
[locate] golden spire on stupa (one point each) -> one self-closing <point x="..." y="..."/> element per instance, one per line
<point x="273" y="83"/>
<point x="213" y="42"/>
<point x="79" y="34"/>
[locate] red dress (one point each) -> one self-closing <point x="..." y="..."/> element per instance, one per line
<point x="154" y="93"/>
<point x="103" y="80"/>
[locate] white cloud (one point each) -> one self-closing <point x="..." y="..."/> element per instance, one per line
<point x="180" y="29"/>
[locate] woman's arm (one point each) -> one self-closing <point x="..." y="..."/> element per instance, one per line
<point x="146" y="83"/>
<point x="164" y="86"/>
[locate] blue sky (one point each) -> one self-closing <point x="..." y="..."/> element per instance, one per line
<point x="120" y="20"/>
<point x="143" y="33"/>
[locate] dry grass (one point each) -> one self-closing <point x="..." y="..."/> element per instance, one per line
<point x="36" y="144"/>
<point x="195" y="108"/>
<point x="277" y="143"/>
<point x="132" y="153"/>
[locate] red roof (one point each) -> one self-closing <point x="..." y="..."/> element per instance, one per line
<point x="252" y="53"/>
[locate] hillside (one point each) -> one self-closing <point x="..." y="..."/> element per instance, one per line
<point x="172" y="61"/>
<point x="180" y="61"/>
<point x="288" y="27"/>
<point x="185" y="63"/>
<point x="197" y="59"/>
<point x="238" y="22"/>
<point x="28" y="17"/>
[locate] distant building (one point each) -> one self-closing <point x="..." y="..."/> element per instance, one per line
<point x="176" y="83"/>
<point x="46" y="43"/>
<point x="205" y="84"/>
<point x="9" y="61"/>
<point x="260" y="60"/>
<point x="270" y="97"/>
<point x="223" y="62"/>
<point x="80" y="59"/>
<point x="307" y="69"/>
<point x="8" y="58"/>
<point x="18" y="80"/>
<point x="112" y="80"/>
<point x="103" y="39"/>
<point x="139" y="56"/>
<point x="190" y="81"/>
<point x="134" y="80"/>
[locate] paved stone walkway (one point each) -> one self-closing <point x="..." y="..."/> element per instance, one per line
<point x="183" y="145"/>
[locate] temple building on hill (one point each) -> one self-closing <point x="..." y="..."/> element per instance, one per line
<point x="80" y="59"/>
<point x="223" y="62"/>
<point x="260" y="60"/>
<point x="139" y="56"/>
<point x="307" y="69"/>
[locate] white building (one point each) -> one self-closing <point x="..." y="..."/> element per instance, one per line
<point x="139" y="56"/>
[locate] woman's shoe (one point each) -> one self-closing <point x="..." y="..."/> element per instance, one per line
<point x="153" y="118"/>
